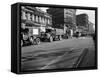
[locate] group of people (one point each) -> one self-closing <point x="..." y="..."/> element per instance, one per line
<point x="69" y="33"/>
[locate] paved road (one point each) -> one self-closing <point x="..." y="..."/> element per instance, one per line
<point x="58" y="54"/>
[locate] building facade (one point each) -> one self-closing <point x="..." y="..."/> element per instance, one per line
<point x="32" y="17"/>
<point x="91" y="27"/>
<point x="82" y="22"/>
<point x="63" y="18"/>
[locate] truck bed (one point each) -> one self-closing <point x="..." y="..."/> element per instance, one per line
<point x="59" y="31"/>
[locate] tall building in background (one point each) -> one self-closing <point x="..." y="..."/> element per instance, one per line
<point x="32" y="17"/>
<point x="82" y="20"/>
<point x="91" y="27"/>
<point x="83" y="23"/>
<point x="63" y="18"/>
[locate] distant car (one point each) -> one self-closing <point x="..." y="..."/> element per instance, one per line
<point x="77" y="34"/>
<point x="83" y="34"/>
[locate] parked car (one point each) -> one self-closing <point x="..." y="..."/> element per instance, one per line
<point x="77" y="34"/>
<point x="83" y="34"/>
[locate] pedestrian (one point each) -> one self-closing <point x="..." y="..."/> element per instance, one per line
<point x="71" y="33"/>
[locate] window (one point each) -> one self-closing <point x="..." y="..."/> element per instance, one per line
<point x="48" y="21"/>
<point x="43" y="20"/>
<point x="36" y="18"/>
<point x="23" y="15"/>
<point x="33" y="17"/>
<point x="40" y="19"/>
<point x="28" y="16"/>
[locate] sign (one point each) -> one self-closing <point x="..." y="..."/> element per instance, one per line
<point x="35" y="31"/>
<point x="42" y="29"/>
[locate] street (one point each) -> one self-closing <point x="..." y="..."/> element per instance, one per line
<point x="66" y="53"/>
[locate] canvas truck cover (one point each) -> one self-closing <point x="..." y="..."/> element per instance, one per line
<point x="59" y="31"/>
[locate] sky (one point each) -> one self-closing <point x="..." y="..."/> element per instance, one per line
<point x="43" y="9"/>
<point x="90" y="13"/>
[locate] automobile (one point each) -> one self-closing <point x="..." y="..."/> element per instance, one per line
<point x="32" y="38"/>
<point x="83" y="34"/>
<point x="77" y="34"/>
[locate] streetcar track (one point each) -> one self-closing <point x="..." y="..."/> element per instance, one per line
<point x="78" y="62"/>
<point x="59" y="58"/>
<point x="46" y="55"/>
<point x="47" y="63"/>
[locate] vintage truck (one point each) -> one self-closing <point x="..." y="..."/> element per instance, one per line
<point x="30" y="36"/>
<point x="52" y="34"/>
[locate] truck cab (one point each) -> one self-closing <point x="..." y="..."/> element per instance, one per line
<point x="30" y="36"/>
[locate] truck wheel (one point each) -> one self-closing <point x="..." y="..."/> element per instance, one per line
<point x="60" y="38"/>
<point x="50" y="39"/>
<point x="37" y="41"/>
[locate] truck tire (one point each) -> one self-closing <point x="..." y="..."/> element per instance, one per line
<point x="37" y="41"/>
<point x="50" y="39"/>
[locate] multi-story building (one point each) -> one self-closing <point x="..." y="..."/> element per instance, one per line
<point x="82" y="21"/>
<point x="63" y="18"/>
<point x="91" y="27"/>
<point x="32" y="17"/>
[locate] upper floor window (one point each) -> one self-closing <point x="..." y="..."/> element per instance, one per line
<point x="42" y="20"/>
<point x="36" y="18"/>
<point x="23" y="15"/>
<point x="48" y="21"/>
<point x="39" y="18"/>
<point x="28" y="16"/>
<point x="33" y="17"/>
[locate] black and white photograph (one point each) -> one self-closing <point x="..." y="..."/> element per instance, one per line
<point x="57" y="38"/>
<point x="49" y="38"/>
